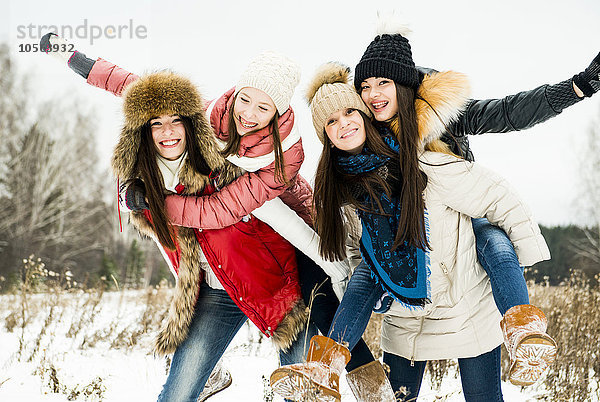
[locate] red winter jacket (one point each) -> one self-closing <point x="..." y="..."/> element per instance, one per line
<point x="255" y="265"/>
<point x="247" y="192"/>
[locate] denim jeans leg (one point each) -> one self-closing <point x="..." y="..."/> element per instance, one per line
<point x="297" y="351"/>
<point x="318" y="293"/>
<point x="404" y="375"/>
<point x="497" y="256"/>
<point x="216" y="321"/>
<point x="355" y="309"/>
<point x="480" y="377"/>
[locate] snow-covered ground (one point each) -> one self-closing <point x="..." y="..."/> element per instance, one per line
<point x="94" y="350"/>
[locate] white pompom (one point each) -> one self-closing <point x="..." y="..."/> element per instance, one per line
<point x="390" y="23"/>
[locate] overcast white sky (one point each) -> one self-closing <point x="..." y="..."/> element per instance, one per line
<point x="504" y="47"/>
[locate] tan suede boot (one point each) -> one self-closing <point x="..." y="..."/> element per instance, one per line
<point x="319" y="378"/>
<point x="369" y="383"/>
<point x="531" y="350"/>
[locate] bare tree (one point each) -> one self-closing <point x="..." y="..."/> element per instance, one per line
<point x="51" y="191"/>
<point x="589" y="247"/>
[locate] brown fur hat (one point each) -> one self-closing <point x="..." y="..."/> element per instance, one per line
<point x="154" y="95"/>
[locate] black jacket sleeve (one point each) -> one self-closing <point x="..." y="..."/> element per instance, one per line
<point x="511" y="113"/>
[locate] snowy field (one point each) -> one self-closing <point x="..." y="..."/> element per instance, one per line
<point x="92" y="346"/>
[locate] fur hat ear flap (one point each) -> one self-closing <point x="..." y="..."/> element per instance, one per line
<point x="125" y="154"/>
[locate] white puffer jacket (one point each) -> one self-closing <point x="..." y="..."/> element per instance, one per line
<point x="462" y="320"/>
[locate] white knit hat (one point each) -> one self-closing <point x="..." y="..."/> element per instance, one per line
<point x="275" y="74"/>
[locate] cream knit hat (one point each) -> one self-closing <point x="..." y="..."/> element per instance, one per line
<point x="328" y="92"/>
<point x="275" y="74"/>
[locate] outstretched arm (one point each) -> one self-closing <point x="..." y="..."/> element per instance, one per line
<point x="526" y="109"/>
<point x="522" y="110"/>
<point x="99" y="73"/>
<point x="235" y="200"/>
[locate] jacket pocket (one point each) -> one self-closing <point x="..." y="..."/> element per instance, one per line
<point x="448" y="273"/>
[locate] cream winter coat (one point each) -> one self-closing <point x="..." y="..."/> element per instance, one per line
<point x="462" y="319"/>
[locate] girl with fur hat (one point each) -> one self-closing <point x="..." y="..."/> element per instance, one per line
<point x="255" y="130"/>
<point x="417" y="239"/>
<point x="168" y="143"/>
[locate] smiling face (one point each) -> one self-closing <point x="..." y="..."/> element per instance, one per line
<point x="346" y="130"/>
<point x="168" y="134"/>
<point x="379" y="94"/>
<point x="253" y="110"/>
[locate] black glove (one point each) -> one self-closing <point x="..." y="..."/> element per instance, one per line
<point x="132" y="194"/>
<point x="77" y="61"/>
<point x="589" y="79"/>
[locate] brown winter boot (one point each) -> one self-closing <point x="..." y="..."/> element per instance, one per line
<point x="319" y="378"/>
<point x="369" y="383"/>
<point x="531" y="350"/>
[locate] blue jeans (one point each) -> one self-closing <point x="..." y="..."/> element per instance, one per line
<point x="497" y="256"/>
<point x="216" y="321"/>
<point x="480" y="376"/>
<point x="355" y="309"/>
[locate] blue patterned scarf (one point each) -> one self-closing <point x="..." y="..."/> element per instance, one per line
<point x="403" y="272"/>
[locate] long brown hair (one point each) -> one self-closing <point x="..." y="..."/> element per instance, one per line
<point x="150" y="174"/>
<point x="411" y="227"/>
<point x="333" y="189"/>
<point x="234" y="138"/>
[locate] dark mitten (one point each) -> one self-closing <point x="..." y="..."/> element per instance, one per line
<point x="589" y="79"/>
<point x="132" y="195"/>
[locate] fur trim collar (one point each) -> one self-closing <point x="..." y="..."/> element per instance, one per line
<point x="444" y="97"/>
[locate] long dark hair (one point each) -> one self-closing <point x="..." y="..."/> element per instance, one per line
<point x="150" y="174"/>
<point x="411" y="227"/>
<point x="234" y="138"/>
<point x="333" y="189"/>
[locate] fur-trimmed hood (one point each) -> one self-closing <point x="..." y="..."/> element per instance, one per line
<point x="441" y="98"/>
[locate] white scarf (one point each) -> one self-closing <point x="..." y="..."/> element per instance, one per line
<point x="170" y="170"/>
<point x="170" y="173"/>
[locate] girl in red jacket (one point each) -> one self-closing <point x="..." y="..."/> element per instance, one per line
<point x="168" y="143"/>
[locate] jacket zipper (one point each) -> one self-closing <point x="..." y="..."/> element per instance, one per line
<point x="239" y="300"/>
<point x="412" y="359"/>
<point x="447" y="273"/>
